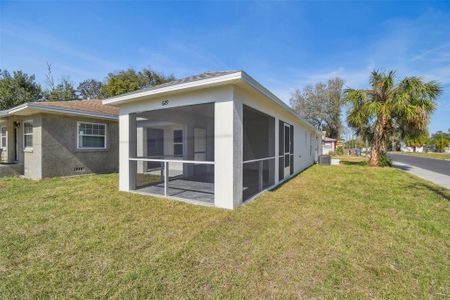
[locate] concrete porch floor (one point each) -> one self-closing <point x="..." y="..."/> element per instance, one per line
<point x="183" y="189"/>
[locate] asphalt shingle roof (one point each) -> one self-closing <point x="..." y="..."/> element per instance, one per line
<point x="188" y="79"/>
<point x="94" y="105"/>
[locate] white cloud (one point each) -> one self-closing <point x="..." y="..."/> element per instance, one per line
<point x="182" y="59"/>
<point x="418" y="46"/>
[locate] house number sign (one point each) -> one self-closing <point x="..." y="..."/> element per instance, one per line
<point x="164" y="102"/>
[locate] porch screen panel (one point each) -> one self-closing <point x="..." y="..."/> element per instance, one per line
<point x="258" y="151"/>
<point x="280" y="150"/>
<point x="175" y="152"/>
<point x="259" y="135"/>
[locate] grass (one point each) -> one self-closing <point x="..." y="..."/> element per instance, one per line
<point x="345" y="231"/>
<point x="428" y="154"/>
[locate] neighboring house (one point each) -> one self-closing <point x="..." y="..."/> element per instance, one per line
<point x="219" y="138"/>
<point x="63" y="138"/>
<point x="405" y="148"/>
<point x="328" y="145"/>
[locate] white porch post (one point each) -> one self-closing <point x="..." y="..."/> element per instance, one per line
<point x="228" y="154"/>
<point x="127" y="149"/>
<point x="141" y="145"/>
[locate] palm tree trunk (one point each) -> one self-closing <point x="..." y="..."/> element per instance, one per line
<point x="378" y="143"/>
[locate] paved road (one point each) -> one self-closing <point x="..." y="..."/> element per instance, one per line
<point x="434" y="165"/>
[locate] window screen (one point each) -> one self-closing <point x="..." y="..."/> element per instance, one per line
<point x="27" y="134"/>
<point x="178" y="142"/>
<point x="3" y="137"/>
<point x="91" y="136"/>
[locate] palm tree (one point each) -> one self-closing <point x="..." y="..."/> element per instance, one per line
<point x="388" y="106"/>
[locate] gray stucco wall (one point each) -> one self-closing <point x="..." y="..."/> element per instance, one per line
<point x="60" y="156"/>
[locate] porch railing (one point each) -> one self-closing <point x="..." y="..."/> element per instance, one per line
<point x="257" y="175"/>
<point x="165" y="165"/>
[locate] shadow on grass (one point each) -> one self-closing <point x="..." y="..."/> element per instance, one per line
<point x="354" y="163"/>
<point x="440" y="191"/>
<point x="290" y="178"/>
<point x="401" y="167"/>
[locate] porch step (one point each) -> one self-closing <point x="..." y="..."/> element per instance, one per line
<point x="11" y="170"/>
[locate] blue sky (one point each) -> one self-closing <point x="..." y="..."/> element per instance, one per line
<point x="284" y="45"/>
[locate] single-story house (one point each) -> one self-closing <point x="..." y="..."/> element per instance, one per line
<point x="62" y="138"/>
<point x="328" y="145"/>
<point x="219" y="138"/>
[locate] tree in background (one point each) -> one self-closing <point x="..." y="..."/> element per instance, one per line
<point x="321" y="105"/>
<point x="62" y="91"/>
<point x="131" y="80"/>
<point x="418" y="140"/>
<point x="17" y="89"/>
<point x="154" y="78"/>
<point x="441" y="140"/>
<point x="90" y="89"/>
<point x="354" y="143"/>
<point x="376" y="112"/>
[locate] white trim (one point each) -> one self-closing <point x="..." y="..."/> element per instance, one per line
<point x="219" y="80"/>
<point x="259" y="159"/>
<point x="44" y="108"/>
<point x="27" y="148"/>
<point x="5" y="136"/>
<point x="92" y="148"/>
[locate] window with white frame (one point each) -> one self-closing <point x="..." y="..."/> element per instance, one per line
<point x="27" y="134"/>
<point x="91" y="135"/>
<point x="2" y="137"/>
<point x="178" y="142"/>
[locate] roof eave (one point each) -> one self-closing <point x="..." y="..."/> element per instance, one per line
<point x="232" y="78"/>
<point x="60" y="110"/>
<point x="256" y="85"/>
<point x="209" y="82"/>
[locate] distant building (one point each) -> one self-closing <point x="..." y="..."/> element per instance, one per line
<point x="328" y="144"/>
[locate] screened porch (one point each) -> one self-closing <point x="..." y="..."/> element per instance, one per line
<point x="175" y="153"/>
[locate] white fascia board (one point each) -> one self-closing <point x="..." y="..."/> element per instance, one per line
<point x="256" y="85"/>
<point x="209" y="82"/>
<point x="61" y="110"/>
<point x="15" y="109"/>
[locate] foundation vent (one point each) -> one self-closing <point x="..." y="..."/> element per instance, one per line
<point x="78" y="169"/>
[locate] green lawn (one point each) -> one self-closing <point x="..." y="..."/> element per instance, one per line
<point x="428" y="154"/>
<point x="345" y="231"/>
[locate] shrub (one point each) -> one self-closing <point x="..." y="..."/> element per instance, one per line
<point x="339" y="150"/>
<point x="385" y="161"/>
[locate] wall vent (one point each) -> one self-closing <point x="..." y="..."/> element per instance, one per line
<point x="78" y="169"/>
